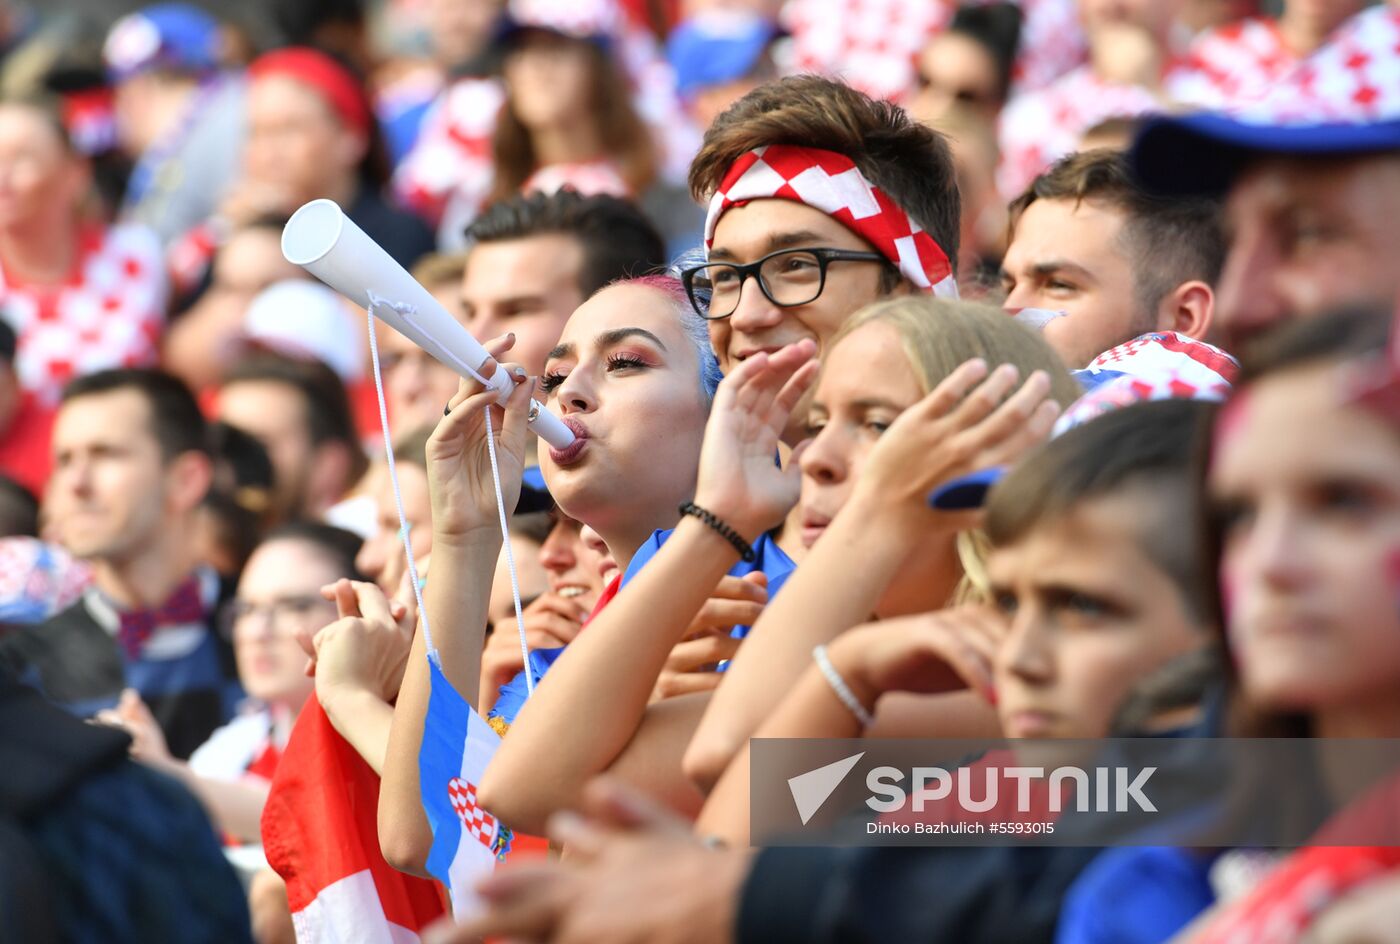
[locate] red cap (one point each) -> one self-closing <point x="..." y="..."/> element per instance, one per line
<point x="336" y="84"/>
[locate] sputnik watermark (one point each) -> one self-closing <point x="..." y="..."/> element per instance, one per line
<point x="1187" y="792"/>
<point x="978" y="790"/>
<point x="1113" y="790"/>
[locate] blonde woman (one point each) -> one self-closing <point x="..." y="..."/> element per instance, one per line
<point x="898" y="409"/>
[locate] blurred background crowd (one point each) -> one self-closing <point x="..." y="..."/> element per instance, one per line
<point x="516" y="156"/>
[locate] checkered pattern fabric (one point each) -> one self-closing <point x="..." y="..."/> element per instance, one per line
<point x="446" y="176"/>
<point x="874" y="44"/>
<point x="38" y="580"/>
<point x="831" y="183"/>
<point x="1236" y="62"/>
<point x="1161" y="365"/>
<point x="1354" y="77"/>
<point x="1040" y="127"/>
<point x="1244" y="70"/>
<point x="108" y="314"/>
<point x="476" y="821"/>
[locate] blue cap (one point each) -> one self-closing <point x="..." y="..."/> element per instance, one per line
<point x="1203" y="153"/>
<point x="966" y="492"/>
<point x="717" y="47"/>
<point x="167" y="36"/>
<point x="534" y="494"/>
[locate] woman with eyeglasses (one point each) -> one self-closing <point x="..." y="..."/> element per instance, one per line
<point x="278" y="608"/>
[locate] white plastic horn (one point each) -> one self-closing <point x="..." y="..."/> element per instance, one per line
<point x="325" y="242"/>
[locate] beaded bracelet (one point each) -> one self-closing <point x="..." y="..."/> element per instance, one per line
<point x="725" y="531"/>
<point x="842" y="690"/>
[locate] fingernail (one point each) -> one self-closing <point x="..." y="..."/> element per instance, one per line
<point x="520" y="374"/>
<point x="991" y="695"/>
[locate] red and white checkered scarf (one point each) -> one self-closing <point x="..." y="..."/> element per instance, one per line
<point x="831" y="183"/>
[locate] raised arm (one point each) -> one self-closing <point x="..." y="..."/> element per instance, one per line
<point x="466" y="544"/>
<point x="592" y="703"/>
<point x="360" y="662"/>
<point x="948" y="433"/>
<point x="930" y="656"/>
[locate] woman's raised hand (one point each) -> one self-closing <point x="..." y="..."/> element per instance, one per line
<point x="972" y="420"/>
<point x="366" y="648"/>
<point x="740" y="480"/>
<point x="927" y="653"/>
<point x="459" y="465"/>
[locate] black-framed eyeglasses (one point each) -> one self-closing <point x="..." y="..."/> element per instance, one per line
<point x="787" y="278"/>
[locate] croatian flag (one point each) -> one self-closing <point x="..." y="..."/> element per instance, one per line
<point x="457" y="746"/>
<point x="1160" y="365"/>
<point x="320" y="834"/>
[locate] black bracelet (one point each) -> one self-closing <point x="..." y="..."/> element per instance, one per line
<point x="725" y="531"/>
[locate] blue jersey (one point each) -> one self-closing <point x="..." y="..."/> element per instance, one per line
<point x="768" y="557"/>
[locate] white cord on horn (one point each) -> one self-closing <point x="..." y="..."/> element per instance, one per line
<point x="403" y="519"/>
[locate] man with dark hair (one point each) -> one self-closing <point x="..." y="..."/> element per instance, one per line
<point x="1087" y="241"/>
<point x="131" y="467"/>
<point x="299" y="411"/>
<point x="1310" y="181"/>
<point x="533" y="259"/>
<point x="831" y="200"/>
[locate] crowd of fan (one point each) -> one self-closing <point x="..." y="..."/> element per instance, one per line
<point x="1070" y="323"/>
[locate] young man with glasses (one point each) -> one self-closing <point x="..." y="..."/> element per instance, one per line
<point x="821" y="201"/>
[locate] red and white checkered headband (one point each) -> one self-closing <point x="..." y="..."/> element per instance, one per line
<point x="831" y="183"/>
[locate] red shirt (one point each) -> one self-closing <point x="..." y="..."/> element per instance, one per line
<point x="108" y="312"/>
<point x="24" y="445"/>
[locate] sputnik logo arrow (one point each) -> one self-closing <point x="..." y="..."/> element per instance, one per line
<point x="811" y="790"/>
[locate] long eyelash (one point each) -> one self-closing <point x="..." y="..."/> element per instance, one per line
<point x="617" y="361"/>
